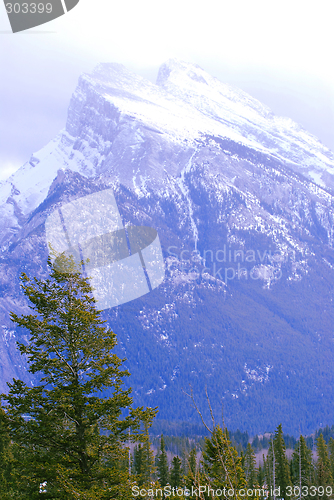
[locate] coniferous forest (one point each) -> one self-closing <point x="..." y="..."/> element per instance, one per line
<point x="76" y="435"/>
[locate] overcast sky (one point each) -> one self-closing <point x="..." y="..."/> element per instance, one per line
<point x="278" y="51"/>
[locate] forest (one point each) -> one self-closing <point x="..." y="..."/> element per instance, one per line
<point x="76" y="435"/>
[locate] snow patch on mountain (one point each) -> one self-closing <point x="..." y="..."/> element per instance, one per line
<point x="141" y="135"/>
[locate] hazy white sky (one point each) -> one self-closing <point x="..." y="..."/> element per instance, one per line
<point x="278" y="51"/>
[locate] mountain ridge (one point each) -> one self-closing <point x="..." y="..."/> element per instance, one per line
<point x="196" y="171"/>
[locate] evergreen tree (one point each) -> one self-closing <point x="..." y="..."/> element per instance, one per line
<point x="323" y="473"/>
<point x="280" y="463"/>
<point x="66" y="434"/>
<point x="147" y="461"/>
<point x="176" y="473"/>
<point x="221" y="462"/>
<point x="260" y="476"/>
<point x="191" y="469"/>
<point x="249" y="467"/>
<point x="7" y="472"/>
<point x="162" y="464"/>
<point x="276" y="466"/>
<point x="137" y="461"/>
<point x="184" y="465"/>
<point x="268" y="469"/>
<point x="302" y="467"/>
<point x="331" y="451"/>
<point x="143" y="461"/>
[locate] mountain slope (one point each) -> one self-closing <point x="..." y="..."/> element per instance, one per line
<point x="243" y="204"/>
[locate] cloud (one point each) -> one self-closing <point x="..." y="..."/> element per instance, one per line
<point x="8" y="168"/>
<point x="279" y="52"/>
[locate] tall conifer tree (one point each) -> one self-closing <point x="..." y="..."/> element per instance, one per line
<point x="268" y="469"/>
<point x="261" y="475"/>
<point x="191" y="469"/>
<point x="331" y="452"/>
<point x="7" y="472"/>
<point x="277" y="469"/>
<point x="67" y="434"/>
<point x="302" y="467"/>
<point x="176" y="473"/>
<point x="147" y="461"/>
<point x="323" y="465"/>
<point x="250" y="468"/>
<point x="162" y="464"/>
<point x="282" y="469"/>
<point x="221" y="462"/>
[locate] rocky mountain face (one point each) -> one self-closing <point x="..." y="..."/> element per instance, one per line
<point x="243" y="204"/>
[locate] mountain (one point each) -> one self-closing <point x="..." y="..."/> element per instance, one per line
<point x="243" y="204"/>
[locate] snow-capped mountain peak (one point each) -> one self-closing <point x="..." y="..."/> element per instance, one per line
<point x="254" y="122"/>
<point x="242" y="201"/>
<point x="187" y="80"/>
<point x="116" y="115"/>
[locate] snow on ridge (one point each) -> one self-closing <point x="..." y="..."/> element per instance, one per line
<point x="185" y="103"/>
<point x="175" y="74"/>
<point x="29" y="185"/>
<point x="178" y="116"/>
<point x="251" y="119"/>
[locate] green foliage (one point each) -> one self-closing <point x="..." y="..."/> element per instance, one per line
<point x="301" y="466"/>
<point x="249" y="466"/>
<point x="331" y="450"/>
<point x="264" y="442"/>
<point x="221" y="462"/>
<point x="64" y="435"/>
<point x="7" y="472"/>
<point x="282" y="470"/>
<point x="143" y="463"/>
<point x="65" y="432"/>
<point x="261" y="475"/>
<point x="276" y="465"/>
<point x="191" y="464"/>
<point x="176" y="476"/>
<point x="137" y="462"/>
<point x="327" y="433"/>
<point x="162" y="464"/>
<point x="323" y="473"/>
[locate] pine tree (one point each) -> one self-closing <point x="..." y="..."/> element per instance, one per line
<point x="137" y="463"/>
<point x="323" y="466"/>
<point x="7" y="472"/>
<point x="221" y="462"/>
<point x="147" y="462"/>
<point x="261" y="476"/>
<point x="191" y="469"/>
<point x="280" y="463"/>
<point x="162" y="464"/>
<point x="331" y="451"/>
<point x="66" y="433"/>
<point x="268" y="469"/>
<point x="176" y="473"/>
<point x="302" y="467"/>
<point x="249" y="467"/>
<point x="184" y="457"/>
